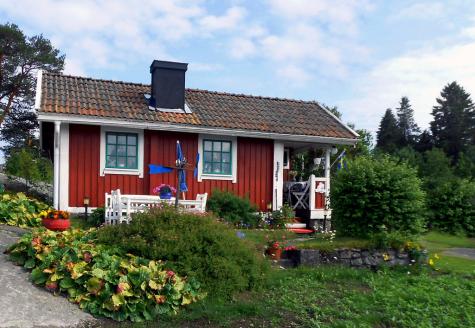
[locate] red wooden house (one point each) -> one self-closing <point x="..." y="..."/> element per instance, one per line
<point x="103" y="134"/>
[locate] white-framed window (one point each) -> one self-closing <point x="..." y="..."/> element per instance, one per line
<point x="286" y="160"/>
<point x="218" y="158"/>
<point x="122" y="151"/>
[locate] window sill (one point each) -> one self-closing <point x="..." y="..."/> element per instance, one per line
<point x="121" y="171"/>
<point x="218" y="177"/>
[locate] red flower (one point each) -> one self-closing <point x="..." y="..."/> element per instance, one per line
<point x="170" y="274"/>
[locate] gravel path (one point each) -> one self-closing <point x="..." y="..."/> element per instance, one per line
<point x="468" y="253"/>
<point x="24" y="305"/>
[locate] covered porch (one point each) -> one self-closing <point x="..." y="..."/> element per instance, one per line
<point x="302" y="181"/>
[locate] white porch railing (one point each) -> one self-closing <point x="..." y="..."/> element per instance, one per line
<point x="312" y="195"/>
<point x="119" y="208"/>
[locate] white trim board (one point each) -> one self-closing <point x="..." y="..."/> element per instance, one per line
<point x="39" y="80"/>
<point x="234" y="159"/>
<point x="140" y="152"/>
<point x="64" y="167"/>
<point x="278" y="176"/>
<point x="93" y="120"/>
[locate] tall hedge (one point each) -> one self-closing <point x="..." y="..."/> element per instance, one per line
<point x="374" y="195"/>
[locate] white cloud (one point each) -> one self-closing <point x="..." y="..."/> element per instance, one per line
<point x="421" y="10"/>
<point x="230" y="20"/>
<point x="242" y="48"/>
<point x="419" y="75"/>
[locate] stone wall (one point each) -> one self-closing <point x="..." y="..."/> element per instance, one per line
<point x="346" y="256"/>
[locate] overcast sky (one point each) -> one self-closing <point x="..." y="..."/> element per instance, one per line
<point x="361" y="56"/>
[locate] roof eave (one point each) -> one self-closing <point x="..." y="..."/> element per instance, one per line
<point x="93" y="120"/>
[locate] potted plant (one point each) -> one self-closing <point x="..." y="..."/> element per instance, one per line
<point x="55" y="220"/>
<point x="164" y="191"/>
<point x="274" y="249"/>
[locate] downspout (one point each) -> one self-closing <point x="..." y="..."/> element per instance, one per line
<point x="57" y="125"/>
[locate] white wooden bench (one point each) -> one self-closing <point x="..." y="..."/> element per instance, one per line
<point x="120" y="207"/>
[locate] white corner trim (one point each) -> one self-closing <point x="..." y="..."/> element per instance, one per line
<point x="56" y="164"/>
<point x="140" y="152"/>
<point x="64" y="167"/>
<point x="133" y="124"/>
<point x="278" y="176"/>
<point x="39" y="80"/>
<point x="338" y="120"/>
<point x="234" y="158"/>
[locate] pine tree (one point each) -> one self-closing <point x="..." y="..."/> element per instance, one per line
<point x="425" y="142"/>
<point x="19" y="130"/>
<point x="388" y="135"/>
<point x="453" y="127"/>
<point x="406" y="123"/>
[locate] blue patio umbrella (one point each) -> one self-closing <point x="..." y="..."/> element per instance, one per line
<point x="181" y="161"/>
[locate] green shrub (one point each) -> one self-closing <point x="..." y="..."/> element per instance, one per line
<point x="452" y="206"/>
<point x="100" y="280"/>
<point x="19" y="210"/>
<point x="233" y="209"/>
<point x="282" y="216"/>
<point x="375" y="195"/>
<point x="193" y="245"/>
<point x="96" y="218"/>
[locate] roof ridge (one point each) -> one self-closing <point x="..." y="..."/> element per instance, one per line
<point x="224" y="93"/>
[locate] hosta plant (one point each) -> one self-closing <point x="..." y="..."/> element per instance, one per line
<point x="100" y="279"/>
<point x="20" y="210"/>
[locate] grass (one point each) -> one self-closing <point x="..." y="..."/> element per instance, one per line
<point x="80" y="222"/>
<point x="437" y="242"/>
<point x="333" y="296"/>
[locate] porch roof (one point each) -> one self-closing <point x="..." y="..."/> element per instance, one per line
<point x="86" y="97"/>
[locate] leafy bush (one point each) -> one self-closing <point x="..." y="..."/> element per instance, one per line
<point x="19" y="210"/>
<point x="233" y="209"/>
<point x="193" y="245"/>
<point x="96" y="218"/>
<point x="28" y="164"/>
<point x="452" y="206"/>
<point x="376" y="195"/>
<point x="98" y="279"/>
<point x="282" y="216"/>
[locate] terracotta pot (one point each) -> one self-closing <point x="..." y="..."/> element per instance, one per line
<point x="274" y="253"/>
<point x="56" y="225"/>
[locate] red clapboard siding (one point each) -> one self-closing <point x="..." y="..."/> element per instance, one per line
<point x="254" y="177"/>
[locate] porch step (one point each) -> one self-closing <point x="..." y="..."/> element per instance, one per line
<point x="295" y="225"/>
<point x="302" y="231"/>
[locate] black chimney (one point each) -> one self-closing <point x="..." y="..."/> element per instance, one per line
<point x="168" y="84"/>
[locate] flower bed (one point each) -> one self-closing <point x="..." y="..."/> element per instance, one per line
<point x="20" y="210"/>
<point x="100" y="279"/>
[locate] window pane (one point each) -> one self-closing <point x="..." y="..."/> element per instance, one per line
<point x="131" y="151"/>
<point x="121" y="161"/>
<point x="208" y="145"/>
<point x="226" y="157"/>
<point x="226" y="168"/>
<point x="122" y="140"/>
<point x="111" y="139"/>
<point x="208" y="156"/>
<point x="131" y="162"/>
<point x="216" y="167"/>
<point x="131" y="140"/>
<point x="110" y="161"/>
<point x="216" y="157"/>
<point x="121" y="150"/>
<point x="217" y="145"/>
<point x="226" y="146"/>
<point x="207" y="168"/>
<point x="111" y="149"/>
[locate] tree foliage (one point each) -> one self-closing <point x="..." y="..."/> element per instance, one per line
<point x="453" y="127"/>
<point x="388" y="135"/>
<point x="408" y="128"/>
<point x="18" y="130"/>
<point x="21" y="57"/>
<point x="28" y="164"/>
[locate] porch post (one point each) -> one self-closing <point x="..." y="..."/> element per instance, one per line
<point x="278" y="176"/>
<point x="327" y="174"/>
<point x="57" y="125"/>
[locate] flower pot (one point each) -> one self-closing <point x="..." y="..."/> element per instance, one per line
<point x="274" y="253"/>
<point x="56" y="224"/>
<point x="166" y="195"/>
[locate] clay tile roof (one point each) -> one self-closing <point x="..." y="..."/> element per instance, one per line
<point x="64" y="94"/>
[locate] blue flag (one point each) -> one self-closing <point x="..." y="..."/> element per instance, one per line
<point x="158" y="169"/>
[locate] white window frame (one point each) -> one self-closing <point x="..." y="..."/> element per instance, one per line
<point x="140" y="152"/>
<point x="234" y="158"/>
